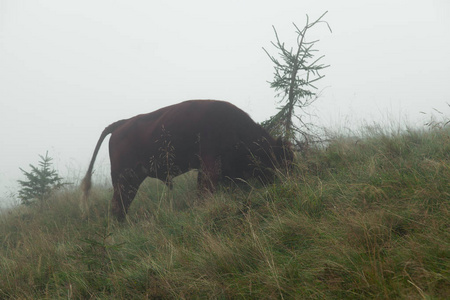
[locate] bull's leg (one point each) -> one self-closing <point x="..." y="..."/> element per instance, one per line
<point x="209" y="174"/>
<point x="125" y="189"/>
<point x="169" y="182"/>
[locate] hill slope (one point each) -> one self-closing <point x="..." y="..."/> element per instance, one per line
<point x="366" y="217"/>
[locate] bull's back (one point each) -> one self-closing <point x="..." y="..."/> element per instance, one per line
<point x="186" y="119"/>
<point x="214" y="125"/>
<point x="204" y="115"/>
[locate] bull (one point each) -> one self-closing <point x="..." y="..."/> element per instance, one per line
<point x="215" y="137"/>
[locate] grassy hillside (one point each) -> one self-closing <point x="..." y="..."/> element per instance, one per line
<point x="365" y="217"/>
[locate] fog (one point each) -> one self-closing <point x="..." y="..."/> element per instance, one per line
<point x="70" y="68"/>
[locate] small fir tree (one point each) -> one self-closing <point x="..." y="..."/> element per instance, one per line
<point x="296" y="72"/>
<point x="41" y="181"/>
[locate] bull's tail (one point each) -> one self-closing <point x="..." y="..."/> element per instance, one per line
<point x="86" y="182"/>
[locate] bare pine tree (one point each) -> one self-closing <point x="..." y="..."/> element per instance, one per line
<point x="296" y="72"/>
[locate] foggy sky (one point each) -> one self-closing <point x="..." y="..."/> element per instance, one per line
<point x="70" y="68"/>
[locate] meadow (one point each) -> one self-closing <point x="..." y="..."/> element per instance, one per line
<point x="366" y="216"/>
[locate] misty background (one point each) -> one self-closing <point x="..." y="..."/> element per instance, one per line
<point x="70" y="68"/>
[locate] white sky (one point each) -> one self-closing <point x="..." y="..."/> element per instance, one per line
<point x="70" y="68"/>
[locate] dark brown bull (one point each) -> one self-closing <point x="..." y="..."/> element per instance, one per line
<point x="215" y="137"/>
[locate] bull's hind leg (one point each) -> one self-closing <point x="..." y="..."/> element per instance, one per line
<point x="125" y="189"/>
<point x="208" y="175"/>
<point x="169" y="183"/>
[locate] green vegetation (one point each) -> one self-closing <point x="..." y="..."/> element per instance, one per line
<point x="296" y="72"/>
<point x="364" y="217"/>
<point x="41" y="181"/>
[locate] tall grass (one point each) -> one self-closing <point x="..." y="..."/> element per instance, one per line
<point x="364" y="217"/>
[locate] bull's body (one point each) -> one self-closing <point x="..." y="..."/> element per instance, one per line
<point x="215" y="137"/>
